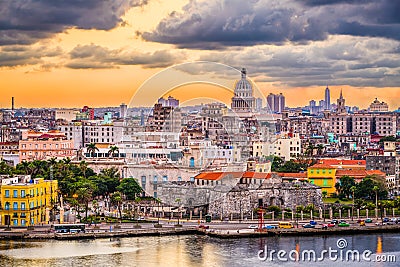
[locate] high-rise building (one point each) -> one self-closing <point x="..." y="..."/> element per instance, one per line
<point x="276" y="102"/>
<point x="123" y="108"/>
<point x="168" y="102"/>
<point x="327" y="98"/>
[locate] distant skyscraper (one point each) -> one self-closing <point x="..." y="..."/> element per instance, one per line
<point x="322" y="104"/>
<point x="123" y="110"/>
<point x="327" y="98"/>
<point x="276" y="102"/>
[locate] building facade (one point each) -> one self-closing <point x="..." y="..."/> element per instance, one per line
<point x="26" y="201"/>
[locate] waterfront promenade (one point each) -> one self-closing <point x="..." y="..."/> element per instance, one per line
<point x="233" y="229"/>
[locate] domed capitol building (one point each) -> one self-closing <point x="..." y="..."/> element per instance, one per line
<point x="243" y="101"/>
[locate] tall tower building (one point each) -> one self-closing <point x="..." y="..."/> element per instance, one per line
<point x="123" y="109"/>
<point x="243" y="100"/>
<point x="327" y="98"/>
<point x="341" y="108"/>
<point x="276" y="102"/>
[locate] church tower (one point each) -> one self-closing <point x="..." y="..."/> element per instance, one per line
<point x="341" y="108"/>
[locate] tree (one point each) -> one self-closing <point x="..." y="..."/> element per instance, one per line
<point x="364" y="189"/>
<point x="116" y="199"/>
<point x="113" y="150"/>
<point x="277" y="163"/>
<point x="130" y="188"/>
<point x="84" y="190"/>
<point x="320" y="149"/>
<point x="376" y="190"/>
<point x="83" y="167"/>
<point x="91" y="149"/>
<point x="344" y="186"/>
<point x="310" y="150"/>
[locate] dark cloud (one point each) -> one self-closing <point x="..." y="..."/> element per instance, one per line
<point x="218" y="24"/>
<point x="27" y="21"/>
<point x="98" y="57"/>
<point x="13" y="56"/>
<point x="333" y="2"/>
<point x="341" y="60"/>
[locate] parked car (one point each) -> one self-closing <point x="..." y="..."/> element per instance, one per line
<point x="343" y="224"/>
<point x="270" y="227"/>
<point x="368" y="220"/>
<point x="253" y="226"/>
<point x="385" y="219"/>
<point x="334" y="221"/>
<point x="313" y="222"/>
<point x="202" y="226"/>
<point x="308" y="225"/>
<point x="362" y="223"/>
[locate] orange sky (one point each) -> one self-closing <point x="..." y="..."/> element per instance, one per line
<point x="52" y="82"/>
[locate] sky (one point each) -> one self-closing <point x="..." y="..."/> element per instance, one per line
<point x="99" y="53"/>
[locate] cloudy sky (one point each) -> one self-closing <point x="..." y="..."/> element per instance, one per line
<point x="98" y="53"/>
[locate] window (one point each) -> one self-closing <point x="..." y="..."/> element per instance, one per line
<point x="15" y="193"/>
<point x="179" y="178"/>
<point x="15" y="222"/>
<point x="7" y="206"/>
<point x="7" y="193"/>
<point x="23" y="222"/>
<point x="191" y="179"/>
<point x="15" y="206"/>
<point x="23" y="206"/>
<point x="165" y="178"/>
<point x="325" y="182"/>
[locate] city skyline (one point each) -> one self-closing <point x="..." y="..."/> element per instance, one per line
<point x="289" y="47"/>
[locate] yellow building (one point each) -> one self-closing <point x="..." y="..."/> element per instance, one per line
<point x="25" y="201"/>
<point x="324" y="176"/>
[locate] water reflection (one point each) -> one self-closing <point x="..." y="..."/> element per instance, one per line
<point x="183" y="251"/>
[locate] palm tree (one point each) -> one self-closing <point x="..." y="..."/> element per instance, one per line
<point x="113" y="150"/>
<point x="310" y="150"/>
<point x="91" y="149"/>
<point x="83" y="166"/>
<point x="116" y="198"/>
<point x="320" y="149"/>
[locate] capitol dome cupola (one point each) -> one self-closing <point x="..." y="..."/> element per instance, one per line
<point x="243" y="99"/>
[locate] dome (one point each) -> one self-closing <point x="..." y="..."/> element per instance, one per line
<point x="243" y="85"/>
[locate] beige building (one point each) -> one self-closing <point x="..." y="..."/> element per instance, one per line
<point x="377" y="106"/>
<point x="40" y="146"/>
<point x="66" y="114"/>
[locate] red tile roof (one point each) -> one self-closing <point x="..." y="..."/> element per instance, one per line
<point x="321" y="166"/>
<point x="358" y="173"/>
<point x="293" y="175"/>
<point x="342" y="162"/>
<point x="257" y="175"/>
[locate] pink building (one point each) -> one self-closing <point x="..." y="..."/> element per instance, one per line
<point x="41" y="146"/>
